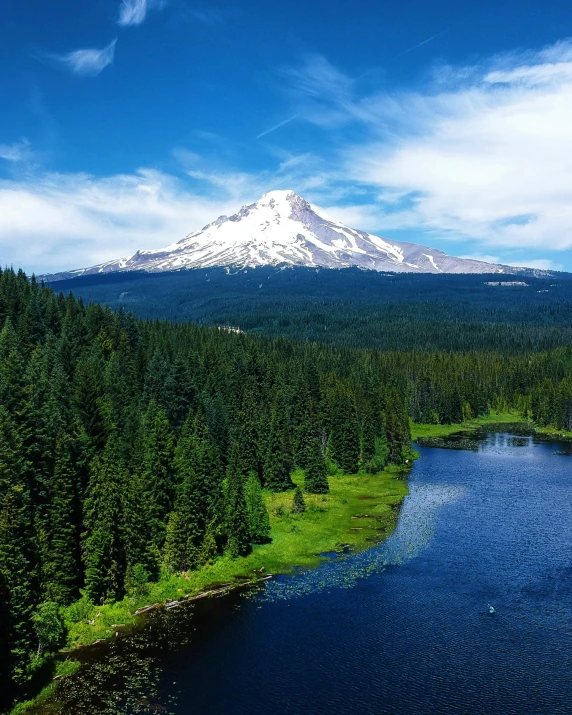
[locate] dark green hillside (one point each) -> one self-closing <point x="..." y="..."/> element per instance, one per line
<point x="352" y="307"/>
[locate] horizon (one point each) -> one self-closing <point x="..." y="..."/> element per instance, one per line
<point x="129" y="124"/>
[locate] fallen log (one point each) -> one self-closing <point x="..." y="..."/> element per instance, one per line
<point x="146" y="609"/>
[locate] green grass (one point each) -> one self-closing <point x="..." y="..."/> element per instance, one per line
<point x="553" y="432"/>
<point x="428" y="430"/>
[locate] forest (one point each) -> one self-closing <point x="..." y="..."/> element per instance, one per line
<point x="352" y="307"/>
<point x="132" y="445"/>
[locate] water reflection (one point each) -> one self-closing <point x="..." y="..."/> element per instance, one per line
<point x="414" y="530"/>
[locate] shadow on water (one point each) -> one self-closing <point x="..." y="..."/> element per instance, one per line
<point x="400" y="628"/>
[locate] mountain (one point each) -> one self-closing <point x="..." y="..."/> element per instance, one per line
<point x="284" y="228"/>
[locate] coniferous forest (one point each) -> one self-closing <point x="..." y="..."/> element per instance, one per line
<point x="129" y="446"/>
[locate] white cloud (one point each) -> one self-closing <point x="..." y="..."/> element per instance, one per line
<point x="88" y="62"/>
<point x="544" y="264"/>
<point x="482" y="257"/>
<point x="479" y="153"/>
<point x="59" y="222"/>
<point x="134" y="12"/>
<point x="17" y="152"/>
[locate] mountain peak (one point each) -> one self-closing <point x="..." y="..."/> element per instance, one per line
<point x="284" y="228"/>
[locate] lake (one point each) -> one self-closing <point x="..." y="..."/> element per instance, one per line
<point x="402" y="628"/>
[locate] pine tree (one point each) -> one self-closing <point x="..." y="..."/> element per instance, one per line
<point x="345" y="438"/>
<point x="236" y="511"/>
<point x="175" y="551"/>
<point x="316" y="479"/>
<point x="199" y="475"/>
<point x="16" y="555"/>
<point x="184" y="534"/>
<point x="103" y="543"/>
<point x="6" y="655"/>
<point x="89" y="397"/>
<point x="140" y="549"/>
<point x="258" y="519"/>
<point x="157" y="473"/>
<point x="208" y="550"/>
<point x="60" y="567"/>
<point x="298" y="503"/>
<point x="397" y="429"/>
<point x="369" y="432"/>
<point x="278" y="458"/>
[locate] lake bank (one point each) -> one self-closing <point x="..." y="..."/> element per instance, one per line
<point x="358" y="511"/>
<point x="490" y="421"/>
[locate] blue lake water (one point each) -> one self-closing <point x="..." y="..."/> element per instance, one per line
<point x="404" y="627"/>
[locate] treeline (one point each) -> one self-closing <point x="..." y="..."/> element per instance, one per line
<point x="129" y="446"/>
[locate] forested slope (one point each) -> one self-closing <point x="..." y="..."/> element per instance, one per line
<point x="352" y="307"/>
<point x="129" y="446"/>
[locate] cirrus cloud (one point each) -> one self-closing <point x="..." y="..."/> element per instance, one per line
<point x="478" y="153"/>
<point x="134" y="12"/>
<point x="86" y="62"/>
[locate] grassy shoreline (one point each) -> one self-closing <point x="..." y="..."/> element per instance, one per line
<point x="358" y="511"/>
<point x="493" y="418"/>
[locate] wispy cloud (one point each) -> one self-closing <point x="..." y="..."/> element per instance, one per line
<point x="277" y="126"/>
<point x="479" y="153"/>
<point x="134" y="12"/>
<point x="18" y="152"/>
<point x="429" y="39"/>
<point x="87" y="62"/>
<point x="62" y="221"/>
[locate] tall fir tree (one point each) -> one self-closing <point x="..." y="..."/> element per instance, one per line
<point x="278" y="454"/>
<point x="397" y="428"/>
<point x="236" y="510"/>
<point x="157" y="473"/>
<point x="258" y="519"/>
<point x="103" y="541"/>
<point x="316" y="479"/>
<point x="60" y="563"/>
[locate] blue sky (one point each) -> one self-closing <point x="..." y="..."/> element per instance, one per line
<point x="128" y="124"/>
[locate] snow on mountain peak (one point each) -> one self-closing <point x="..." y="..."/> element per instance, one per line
<point x="284" y="228"/>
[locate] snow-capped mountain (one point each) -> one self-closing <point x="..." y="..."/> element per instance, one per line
<point x="283" y="228"/>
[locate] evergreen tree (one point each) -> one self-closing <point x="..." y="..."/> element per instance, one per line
<point x="140" y="549"/>
<point x="345" y="437"/>
<point x="199" y="474"/>
<point x="397" y="429"/>
<point x="369" y="432"/>
<point x="236" y="511"/>
<point x="157" y="474"/>
<point x="278" y="458"/>
<point x="316" y="479"/>
<point x="298" y="503"/>
<point x="16" y="576"/>
<point x="258" y="519"/>
<point x="103" y="542"/>
<point x="208" y="550"/>
<point x="184" y="532"/>
<point x="89" y="397"/>
<point x="60" y="567"/>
